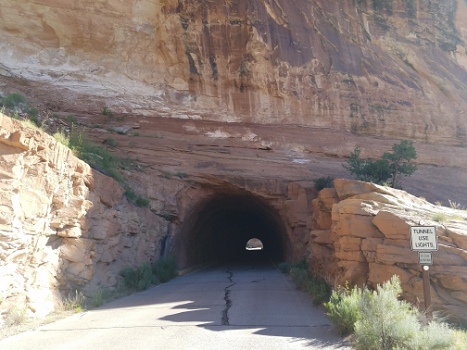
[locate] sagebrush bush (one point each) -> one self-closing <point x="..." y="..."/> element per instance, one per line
<point x="435" y="336"/>
<point x="343" y="308"/>
<point x="380" y="321"/>
<point x="386" y="322"/>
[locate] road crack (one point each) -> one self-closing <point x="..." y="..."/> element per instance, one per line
<point x="228" y="301"/>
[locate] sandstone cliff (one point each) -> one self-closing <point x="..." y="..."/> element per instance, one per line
<point x="361" y="235"/>
<point x="64" y="226"/>
<point x="391" y="68"/>
<point x="61" y="223"/>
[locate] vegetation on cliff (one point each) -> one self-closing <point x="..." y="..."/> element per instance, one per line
<point x="391" y="165"/>
<point x="101" y="159"/>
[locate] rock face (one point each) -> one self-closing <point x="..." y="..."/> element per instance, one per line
<point x="66" y="227"/>
<point x="388" y="68"/>
<point x="61" y="223"/>
<point x="361" y="235"/>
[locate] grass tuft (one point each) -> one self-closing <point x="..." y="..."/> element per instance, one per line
<point x="439" y="217"/>
<point x="315" y="286"/>
<point x="76" y="302"/>
<point x="145" y="275"/>
<point x="15" y="316"/>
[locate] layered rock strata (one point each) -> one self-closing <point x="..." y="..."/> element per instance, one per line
<point x="386" y="68"/>
<point x="63" y="226"/>
<point x="361" y="235"/>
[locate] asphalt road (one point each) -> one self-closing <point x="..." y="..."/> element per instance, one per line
<point x="223" y="307"/>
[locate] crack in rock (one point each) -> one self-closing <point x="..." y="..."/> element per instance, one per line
<point x="228" y="301"/>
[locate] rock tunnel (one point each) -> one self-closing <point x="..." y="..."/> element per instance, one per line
<point x="218" y="228"/>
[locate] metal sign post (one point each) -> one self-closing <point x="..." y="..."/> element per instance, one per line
<point x="426" y="291"/>
<point x="423" y="239"/>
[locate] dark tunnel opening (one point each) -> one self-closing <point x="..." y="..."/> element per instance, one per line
<point x="218" y="229"/>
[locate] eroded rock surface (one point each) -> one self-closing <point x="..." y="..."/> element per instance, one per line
<point x="382" y="68"/>
<point x="361" y="235"/>
<point x="61" y="223"/>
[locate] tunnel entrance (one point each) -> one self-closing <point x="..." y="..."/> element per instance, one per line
<point x="217" y="229"/>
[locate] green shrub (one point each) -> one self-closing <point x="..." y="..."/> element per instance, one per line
<point x="439" y="217"/>
<point x="435" y="336"/>
<point x="379" y="320"/>
<point x="32" y="123"/>
<point x="75" y="302"/>
<point x="107" y="112"/>
<point x="165" y="269"/>
<point x="61" y="137"/>
<point x="99" y="297"/>
<point x="71" y="119"/>
<point x="135" y="198"/>
<point x="386" y="322"/>
<point x="33" y="113"/>
<point x="14" y="99"/>
<point x="315" y="286"/>
<point x="101" y="159"/>
<point x="460" y="339"/>
<point x="392" y="165"/>
<point x="343" y="308"/>
<point x="142" y="202"/>
<point x="323" y="182"/>
<point x="111" y="142"/>
<point x="138" y="278"/>
<point x="145" y="275"/>
<point x="33" y="117"/>
<point x="286" y="266"/>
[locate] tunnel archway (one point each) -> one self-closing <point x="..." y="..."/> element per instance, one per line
<point x="217" y="228"/>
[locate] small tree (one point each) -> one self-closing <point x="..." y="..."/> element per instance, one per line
<point x="400" y="160"/>
<point x="391" y="165"/>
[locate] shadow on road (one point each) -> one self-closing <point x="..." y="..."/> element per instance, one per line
<point x="235" y="297"/>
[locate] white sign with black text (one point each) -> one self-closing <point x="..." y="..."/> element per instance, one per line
<point x="423" y="238"/>
<point x="425" y="258"/>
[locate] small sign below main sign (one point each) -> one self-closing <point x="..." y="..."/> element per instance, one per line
<point x="425" y="258"/>
<point x="423" y="238"/>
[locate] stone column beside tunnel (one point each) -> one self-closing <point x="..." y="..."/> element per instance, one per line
<point x="360" y="235"/>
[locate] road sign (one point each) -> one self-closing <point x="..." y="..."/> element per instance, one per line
<point x="423" y="238"/>
<point x="425" y="258"/>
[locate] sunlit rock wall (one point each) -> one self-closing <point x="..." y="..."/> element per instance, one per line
<point x="361" y="235"/>
<point x="387" y="68"/>
<point x="61" y="224"/>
